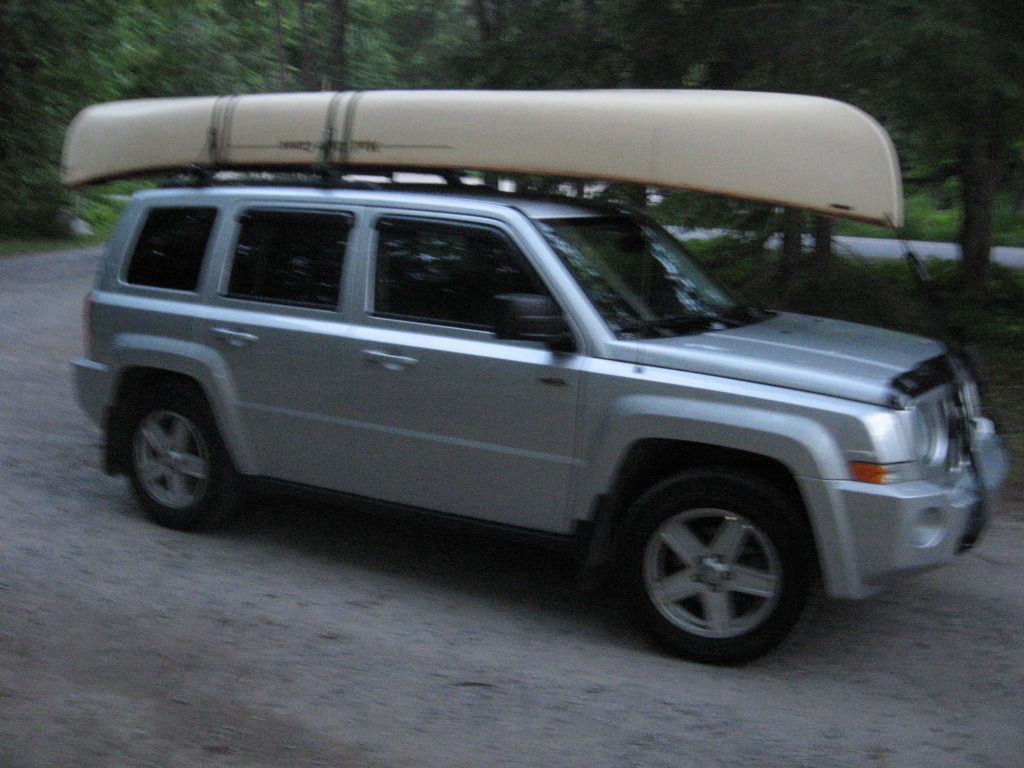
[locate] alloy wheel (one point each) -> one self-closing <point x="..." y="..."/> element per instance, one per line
<point x="172" y="459"/>
<point x="712" y="573"/>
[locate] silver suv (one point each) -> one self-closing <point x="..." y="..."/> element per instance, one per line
<point x="532" y="364"/>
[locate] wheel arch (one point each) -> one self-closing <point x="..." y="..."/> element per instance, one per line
<point x="147" y="371"/>
<point x="650" y="461"/>
<point x="645" y="438"/>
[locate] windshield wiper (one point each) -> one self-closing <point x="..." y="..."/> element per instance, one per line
<point x="746" y="315"/>
<point x="679" y="323"/>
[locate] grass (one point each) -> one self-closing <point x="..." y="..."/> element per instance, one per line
<point x="989" y="323"/>
<point x="99" y="207"/>
<point x="14" y="247"/>
<point x="925" y="221"/>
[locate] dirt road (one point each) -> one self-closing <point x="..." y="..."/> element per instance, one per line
<point x="307" y="635"/>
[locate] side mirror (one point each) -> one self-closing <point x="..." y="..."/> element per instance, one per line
<point x="532" y="317"/>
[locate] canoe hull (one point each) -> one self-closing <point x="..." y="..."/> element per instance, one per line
<point x="803" y="151"/>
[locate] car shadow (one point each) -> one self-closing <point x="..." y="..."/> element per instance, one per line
<point x="884" y="635"/>
<point x="498" y="567"/>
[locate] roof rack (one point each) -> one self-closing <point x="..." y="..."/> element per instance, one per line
<point x="328" y="175"/>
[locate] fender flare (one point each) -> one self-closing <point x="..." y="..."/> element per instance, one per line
<point x="802" y="445"/>
<point x="202" y="365"/>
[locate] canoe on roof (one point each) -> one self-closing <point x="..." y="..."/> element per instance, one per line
<point x="803" y="151"/>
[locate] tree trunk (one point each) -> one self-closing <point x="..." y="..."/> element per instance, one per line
<point x="309" y="80"/>
<point x="279" y="45"/>
<point x="1017" y="192"/>
<point x="339" y="28"/>
<point x="637" y="194"/>
<point x="488" y="19"/>
<point x="792" y="247"/>
<point x="822" y="239"/>
<point x="979" y="173"/>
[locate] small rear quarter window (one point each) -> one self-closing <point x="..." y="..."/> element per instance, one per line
<point x="170" y="249"/>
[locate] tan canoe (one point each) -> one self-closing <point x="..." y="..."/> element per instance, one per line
<point x="803" y="151"/>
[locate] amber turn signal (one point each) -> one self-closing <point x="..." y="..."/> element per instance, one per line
<point x="869" y="473"/>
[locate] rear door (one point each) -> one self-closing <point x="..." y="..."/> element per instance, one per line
<point x="276" y="324"/>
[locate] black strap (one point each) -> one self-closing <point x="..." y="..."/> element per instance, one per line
<point x="348" y="128"/>
<point x="328" y="141"/>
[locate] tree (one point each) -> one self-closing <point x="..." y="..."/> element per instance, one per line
<point x="338" y="44"/>
<point x="56" y="57"/>
<point x="945" y="76"/>
<point x="954" y="70"/>
<point x="48" y="68"/>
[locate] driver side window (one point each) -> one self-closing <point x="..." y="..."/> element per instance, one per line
<point x="446" y="272"/>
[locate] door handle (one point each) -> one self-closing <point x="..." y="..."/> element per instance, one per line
<point x="389" y="361"/>
<point x="234" y="338"/>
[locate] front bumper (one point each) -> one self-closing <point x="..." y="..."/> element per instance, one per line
<point x="869" y="535"/>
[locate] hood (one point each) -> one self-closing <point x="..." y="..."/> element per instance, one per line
<point x="812" y="354"/>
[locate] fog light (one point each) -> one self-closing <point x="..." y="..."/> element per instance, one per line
<point x="929" y="528"/>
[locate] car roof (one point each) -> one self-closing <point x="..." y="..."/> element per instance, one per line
<point x="536" y="207"/>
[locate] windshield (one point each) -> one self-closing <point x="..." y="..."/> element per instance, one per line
<point x="639" y="278"/>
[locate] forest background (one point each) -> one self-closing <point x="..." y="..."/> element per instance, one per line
<point x="946" y="78"/>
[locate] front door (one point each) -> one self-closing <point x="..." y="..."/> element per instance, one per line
<point x="438" y="412"/>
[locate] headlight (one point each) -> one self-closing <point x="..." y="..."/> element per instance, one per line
<point x="970" y="400"/>
<point x="924" y="434"/>
<point x="931" y="431"/>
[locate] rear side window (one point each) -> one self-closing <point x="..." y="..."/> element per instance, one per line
<point x="170" y="249"/>
<point x="290" y="257"/>
<point x="446" y="273"/>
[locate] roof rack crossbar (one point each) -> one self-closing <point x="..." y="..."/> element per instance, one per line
<point x="200" y="175"/>
<point x="331" y="175"/>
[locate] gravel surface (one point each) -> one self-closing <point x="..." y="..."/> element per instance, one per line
<point x="310" y="635"/>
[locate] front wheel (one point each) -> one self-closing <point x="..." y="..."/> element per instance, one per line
<point x="718" y="564"/>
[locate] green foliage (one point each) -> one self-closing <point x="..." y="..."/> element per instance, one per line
<point x="927" y="221"/>
<point x="47" y="68"/>
<point x="40" y="245"/>
<point x="950" y="75"/>
<point x="931" y="71"/>
<point x="696" y="210"/>
<point x="881" y="293"/>
<point x="529" y="44"/>
<point x="181" y="49"/>
<point x="100" y="207"/>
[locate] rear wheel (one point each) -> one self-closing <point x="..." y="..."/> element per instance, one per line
<point x="718" y="565"/>
<point x="179" y="469"/>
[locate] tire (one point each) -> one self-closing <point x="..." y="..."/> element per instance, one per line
<point x="718" y="564"/>
<point x="180" y="471"/>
